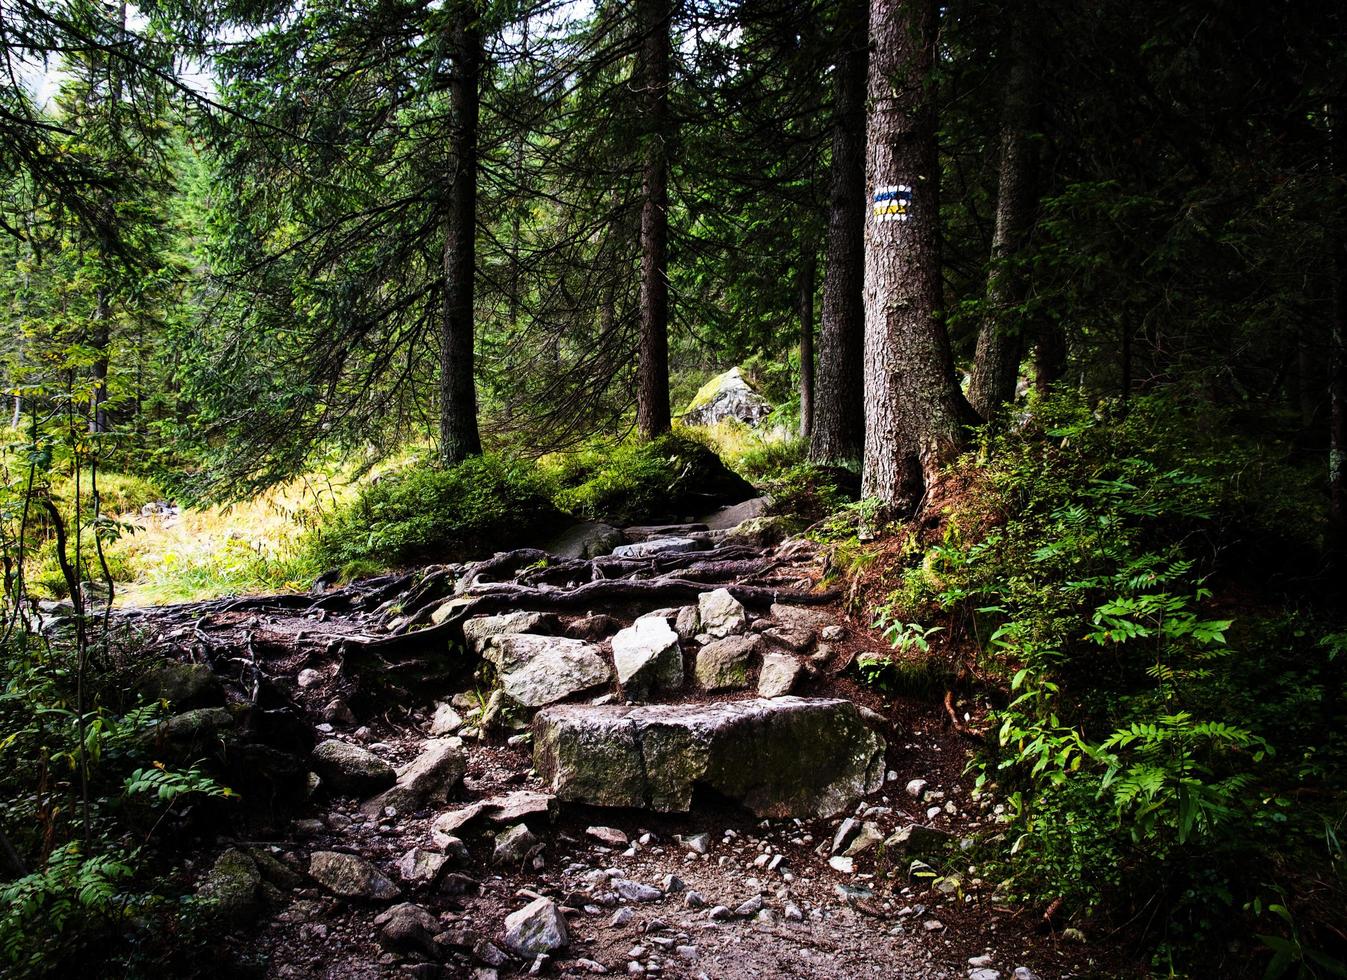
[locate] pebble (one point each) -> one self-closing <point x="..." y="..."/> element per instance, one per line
<point x="694" y="900"/>
<point x="845" y="865"/>
<point x="607" y="835"/>
<point x="750" y="907"/>
<point x="719" y="913"/>
<point x="635" y="891"/>
<point x="621" y="917"/>
<point x="697" y="843"/>
<point x="793" y="913"/>
<point x="933" y="925"/>
<point x="915" y="787"/>
<point x="984" y="974"/>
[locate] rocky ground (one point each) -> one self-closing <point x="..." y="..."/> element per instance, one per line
<point x="649" y="761"/>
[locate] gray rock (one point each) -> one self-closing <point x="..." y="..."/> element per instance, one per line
<point x="349" y="768"/>
<point x="694" y="900"/>
<point x="782" y="757"/>
<point x="780" y="672"/>
<point x="610" y="836"/>
<point x="538" y="927"/>
<point x="870" y="835"/>
<point x="915" y="787"/>
<point x="697" y="843"/>
<point x="621" y="917"/>
<point x="648" y="658"/>
<point x="916" y="839"/>
<point x="731" y="516"/>
<point x="846" y="833"/>
<point x="749" y="907"/>
<point x="657" y="546"/>
<point x="350" y="876"/>
<point x="588" y="539"/>
<point x="513" y="845"/>
<point x="446" y="720"/>
<point x="1024" y="973"/>
<point x="198" y="725"/>
<point x="984" y="973"/>
<point x="407" y="928"/>
<point x="426" y="779"/>
<point x="721" y="614"/>
<point x="184" y="685"/>
<point x="421" y="867"/>
<point x="541" y="670"/>
<point x="805" y="617"/>
<point x="727" y="396"/>
<point x="479" y="630"/>
<point x="635" y="891"/>
<point x="232" y="886"/>
<point x="725" y="665"/>
<point x="687" y="624"/>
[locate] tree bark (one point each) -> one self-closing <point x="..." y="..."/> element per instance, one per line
<point x="1337" y="378"/>
<point x="1000" y="338"/>
<point x="1049" y="357"/>
<point x="459" y="437"/>
<point x="652" y="393"/>
<point x="808" y="266"/>
<point x="98" y="412"/>
<point x="915" y="410"/>
<point x="838" y="428"/>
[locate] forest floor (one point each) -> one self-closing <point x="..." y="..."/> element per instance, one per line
<point x="345" y="666"/>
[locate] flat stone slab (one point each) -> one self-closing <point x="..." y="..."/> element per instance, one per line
<point x="539" y="670"/>
<point x="779" y="757"/>
<point x="656" y="546"/>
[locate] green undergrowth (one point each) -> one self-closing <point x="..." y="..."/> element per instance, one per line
<point x="1167" y="731"/>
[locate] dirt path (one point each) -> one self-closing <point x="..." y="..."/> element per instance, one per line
<point x="729" y="895"/>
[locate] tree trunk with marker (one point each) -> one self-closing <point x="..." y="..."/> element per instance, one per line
<point x="652" y="395"/>
<point x="915" y="411"/>
<point x="459" y="437"/>
<point x="838" y="425"/>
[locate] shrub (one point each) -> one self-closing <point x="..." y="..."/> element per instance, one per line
<point x="433" y="513"/>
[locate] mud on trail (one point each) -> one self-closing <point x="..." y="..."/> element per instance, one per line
<point x="397" y="818"/>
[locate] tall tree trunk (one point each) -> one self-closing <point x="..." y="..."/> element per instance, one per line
<point x="1049" y="356"/>
<point x="98" y="412"/>
<point x="808" y="268"/>
<point x="1000" y="339"/>
<point x="1337" y="378"/>
<point x="652" y="393"/>
<point x="838" y="428"/>
<point x="915" y="410"/>
<point x="459" y="437"/>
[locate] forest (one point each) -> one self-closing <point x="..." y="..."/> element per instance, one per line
<point x="676" y="488"/>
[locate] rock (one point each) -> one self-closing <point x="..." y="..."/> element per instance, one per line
<point x="541" y="670"/>
<point x="694" y="900"/>
<point x="978" y="962"/>
<point x="184" y="685"/>
<point x="916" y="839"/>
<point x="791" y="637"/>
<point x="697" y="843"/>
<point x="802" y="617"/>
<point x="780" y="671"/>
<point x="833" y="634"/>
<point x="407" y="928"/>
<point x="489" y="953"/>
<point x="721" y="614"/>
<point x="421" y="867"/>
<point x="933" y="925"/>
<point x="1024" y="973"/>
<point x="761" y="532"/>
<point x="538" y="927"/>
<point x="726" y="396"/>
<point x="844" y="865"/>
<point x="672" y="884"/>
<point x="274" y="871"/>
<point x="338" y="712"/>
<point x="457" y="884"/>
<point x="782" y="757"/>
<point x="635" y="891"/>
<point x="232" y="886"/>
<point x="349" y="768"/>
<point x="513" y="845"/>
<point x="792" y="913"/>
<point x="720" y="913"/>
<point x="588" y="539"/>
<point x="593" y="628"/>
<point x="731" y="516"/>
<point x="350" y="876"/>
<point x="984" y="974"/>
<point x="1073" y="935"/>
<point x="750" y="907"/>
<point x="610" y="836"/>
<point x="479" y="630"/>
<point x="687" y="624"/>
<point x="309" y="678"/>
<point x="869" y="836"/>
<point x="621" y="917"/>
<point x="846" y="833"/>
<point x="657" y="546"/>
<point x="198" y="725"/>
<point x="427" y="778"/>
<point x="915" y="787"/>
<point x="523" y="804"/>
<point x="648" y="658"/>
<point x="446" y="720"/>
<point x="724" y="665"/>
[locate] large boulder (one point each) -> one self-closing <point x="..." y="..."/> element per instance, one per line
<point x="348" y="768"/>
<point x="540" y="670"/>
<point x="429" y="777"/>
<point x="184" y="685"/>
<point x="727" y="396"/>
<point x="588" y="539"/>
<point x="784" y="757"/>
<point x="648" y="658"/>
<point x="232" y="886"/>
<point x="658" y="546"/>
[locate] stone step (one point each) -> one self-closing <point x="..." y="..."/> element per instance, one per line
<point x="779" y="757"/>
